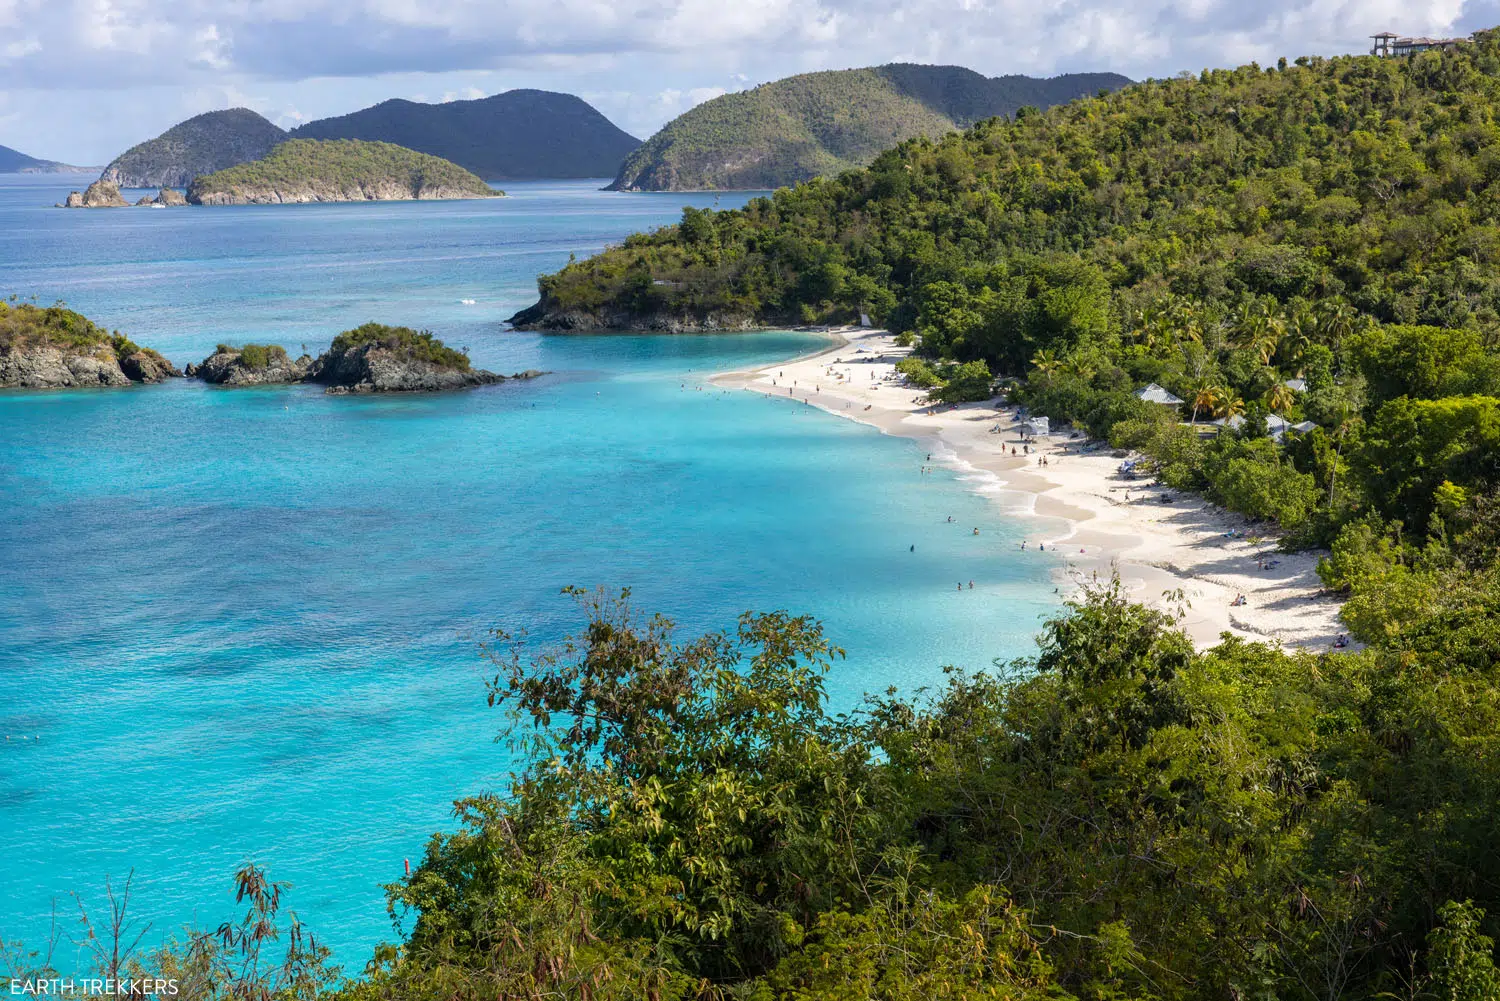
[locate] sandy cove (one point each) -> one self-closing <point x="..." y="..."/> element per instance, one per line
<point x="1085" y="511"/>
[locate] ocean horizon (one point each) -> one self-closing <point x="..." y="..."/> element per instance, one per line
<point x="242" y="623"/>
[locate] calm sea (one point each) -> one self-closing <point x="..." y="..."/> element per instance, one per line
<point x="239" y="624"/>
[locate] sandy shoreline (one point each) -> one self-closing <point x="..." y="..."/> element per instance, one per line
<point x="1085" y="512"/>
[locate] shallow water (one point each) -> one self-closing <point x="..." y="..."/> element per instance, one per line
<point x="239" y="623"/>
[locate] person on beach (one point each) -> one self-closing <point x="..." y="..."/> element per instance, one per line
<point x="1023" y="545"/>
<point x="1043" y="547"/>
<point x="913" y="547"/>
<point x="971" y="585"/>
<point x="976" y="531"/>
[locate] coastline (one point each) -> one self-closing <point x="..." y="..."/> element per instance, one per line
<point x="1091" y="520"/>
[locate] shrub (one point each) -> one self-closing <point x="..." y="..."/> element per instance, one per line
<point x="259" y="356"/>
<point x="404" y="341"/>
<point x="965" y="383"/>
<point x="919" y="373"/>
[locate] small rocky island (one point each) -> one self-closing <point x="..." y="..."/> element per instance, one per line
<point x="56" y="348"/>
<point x="99" y="195"/>
<point x="337" y="170"/>
<point x="373" y="358"/>
<point x="250" y="365"/>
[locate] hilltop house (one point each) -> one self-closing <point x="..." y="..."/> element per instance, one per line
<point x="1388" y="43"/>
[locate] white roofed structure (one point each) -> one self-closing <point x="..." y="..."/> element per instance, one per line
<point x="1156" y="394"/>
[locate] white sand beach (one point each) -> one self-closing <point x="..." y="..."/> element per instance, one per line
<point x="1089" y="517"/>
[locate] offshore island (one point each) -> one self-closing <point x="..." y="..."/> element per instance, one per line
<point x="311" y="170"/>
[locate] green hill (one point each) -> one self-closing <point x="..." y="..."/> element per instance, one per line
<point x="337" y="170"/>
<point x="824" y="123"/>
<point x="517" y="134"/>
<point x="15" y="162"/>
<point x="201" y="145"/>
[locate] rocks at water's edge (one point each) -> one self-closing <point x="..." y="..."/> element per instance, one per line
<point x="145" y="365"/>
<point x="51" y="366"/>
<point x="99" y="195"/>
<point x="251" y="365"/>
<point x="167" y="197"/>
<point x="546" y="315"/>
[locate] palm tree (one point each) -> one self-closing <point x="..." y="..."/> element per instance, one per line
<point x="1337" y="320"/>
<point x="1045" y="362"/>
<point x="1230" y="406"/>
<point x="1279" y="399"/>
<point x="1299" y="337"/>
<point x="1206" y="399"/>
<point x="1080" y="367"/>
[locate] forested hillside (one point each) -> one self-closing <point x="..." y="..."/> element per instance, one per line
<point x="822" y="123"/>
<point x="517" y="134"/>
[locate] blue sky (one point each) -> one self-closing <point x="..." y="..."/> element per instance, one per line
<point x="81" y="80"/>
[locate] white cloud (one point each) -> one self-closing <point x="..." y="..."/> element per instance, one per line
<point x="647" y="60"/>
<point x="114" y="42"/>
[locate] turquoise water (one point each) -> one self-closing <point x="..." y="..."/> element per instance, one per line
<point x="241" y="622"/>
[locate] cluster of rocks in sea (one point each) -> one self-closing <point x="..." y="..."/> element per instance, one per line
<point x="106" y="195"/>
<point x="367" y="368"/>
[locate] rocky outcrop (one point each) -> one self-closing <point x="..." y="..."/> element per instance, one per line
<point x="546" y="316"/>
<point x="99" y="195"/>
<point x="200" y="145"/>
<point x="167" y="197"/>
<point x="49" y="366"/>
<point x="145" y="365"/>
<point x="374" y="368"/>
<point x="55" y="366"/>
<point x="253" y="365"/>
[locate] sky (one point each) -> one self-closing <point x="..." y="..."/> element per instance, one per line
<point x="83" y="80"/>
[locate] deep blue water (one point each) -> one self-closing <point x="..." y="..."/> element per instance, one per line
<point x="239" y="623"/>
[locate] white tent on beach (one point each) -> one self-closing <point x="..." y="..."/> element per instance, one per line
<point x="1156" y="394"/>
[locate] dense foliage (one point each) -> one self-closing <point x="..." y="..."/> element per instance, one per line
<point x="416" y="345"/>
<point x="1119" y="817"/>
<point x="822" y="123"/>
<point x="340" y="165"/>
<point x="517" y="134"/>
